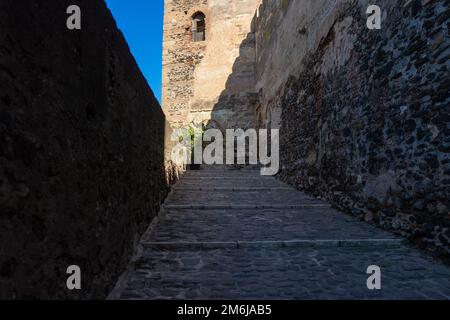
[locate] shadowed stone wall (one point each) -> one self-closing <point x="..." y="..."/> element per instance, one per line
<point x="82" y="150"/>
<point x="364" y="115"/>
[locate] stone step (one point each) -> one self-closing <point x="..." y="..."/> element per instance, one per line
<point x="284" y="273"/>
<point x="209" y="197"/>
<point x="234" y="189"/>
<point x="226" y="168"/>
<point x="245" y="207"/>
<point x="240" y="237"/>
<point x="222" y="173"/>
<point x="383" y="243"/>
<point x="217" y="183"/>
<point x="271" y="224"/>
<point x="200" y="179"/>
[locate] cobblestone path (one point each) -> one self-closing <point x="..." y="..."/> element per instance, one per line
<point x="228" y="234"/>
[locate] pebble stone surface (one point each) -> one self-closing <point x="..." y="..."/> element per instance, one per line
<point x="232" y="234"/>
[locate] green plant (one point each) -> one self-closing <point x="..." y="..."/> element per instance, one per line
<point x="194" y="133"/>
<point x="190" y="137"/>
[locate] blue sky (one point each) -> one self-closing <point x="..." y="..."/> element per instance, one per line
<point x="141" y="22"/>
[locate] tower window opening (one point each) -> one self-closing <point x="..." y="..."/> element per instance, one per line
<point x="198" y="27"/>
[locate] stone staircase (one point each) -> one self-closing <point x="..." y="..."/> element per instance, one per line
<point x="233" y="234"/>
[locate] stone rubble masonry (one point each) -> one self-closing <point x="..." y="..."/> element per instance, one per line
<point x="210" y="82"/>
<point x="82" y="150"/>
<point x="364" y="115"/>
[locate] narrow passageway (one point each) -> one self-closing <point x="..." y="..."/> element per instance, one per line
<point x="233" y="234"/>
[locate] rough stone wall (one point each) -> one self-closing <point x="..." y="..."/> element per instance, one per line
<point x="210" y="81"/>
<point x="180" y="57"/>
<point x="82" y="166"/>
<point x="364" y="115"/>
<point x="286" y="31"/>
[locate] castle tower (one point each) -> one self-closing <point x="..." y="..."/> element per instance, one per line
<point x="209" y="62"/>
